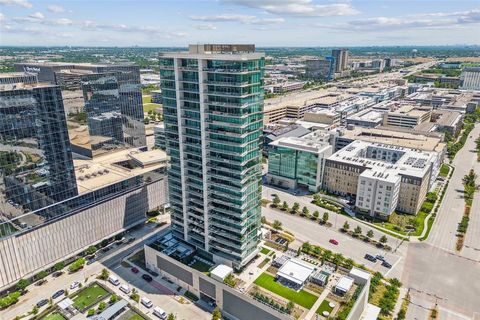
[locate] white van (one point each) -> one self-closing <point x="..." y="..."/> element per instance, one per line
<point x="159" y="312"/>
<point x="125" y="289"/>
<point x="146" y="302"/>
<point x="113" y="280"/>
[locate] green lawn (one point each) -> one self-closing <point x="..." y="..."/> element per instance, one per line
<point x="89" y="296"/>
<point x="150" y="106"/>
<point x="265" y="250"/>
<point x="146" y="99"/>
<point x="444" y="170"/>
<point x="324" y="307"/>
<point x="302" y="298"/>
<point x="404" y="219"/>
<point x="131" y="315"/>
<point x="53" y="316"/>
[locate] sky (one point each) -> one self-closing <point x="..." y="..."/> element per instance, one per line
<point x="313" y="23"/>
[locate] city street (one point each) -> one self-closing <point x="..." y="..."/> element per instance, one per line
<point x="314" y="233"/>
<point x="452" y="207"/>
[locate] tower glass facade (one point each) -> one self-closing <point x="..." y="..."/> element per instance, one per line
<point x="213" y="107"/>
<point x="36" y="166"/>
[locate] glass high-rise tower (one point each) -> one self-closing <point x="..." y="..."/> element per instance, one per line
<point x="213" y="110"/>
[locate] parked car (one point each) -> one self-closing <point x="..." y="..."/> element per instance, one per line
<point x="386" y="264"/>
<point x="333" y="241"/>
<point x="74" y="285"/>
<point x="125" y="289"/>
<point x="42" y="302"/>
<point x="58" y="294"/>
<point x="57" y="274"/>
<point x="146" y="302"/>
<point x="147" y="278"/>
<point x="159" y="312"/>
<point x="380" y="257"/>
<point x="90" y="261"/>
<point x="131" y="239"/>
<point x="153" y="273"/>
<point x="135" y="270"/>
<point x="105" y="249"/>
<point x="369" y="257"/>
<point x="40" y="282"/>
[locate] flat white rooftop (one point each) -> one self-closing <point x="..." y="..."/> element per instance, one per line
<point x="371" y="312"/>
<point x="296" y="271"/>
<point x="221" y="272"/>
<point x="344" y="284"/>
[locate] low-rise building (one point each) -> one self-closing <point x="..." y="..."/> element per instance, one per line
<point x="298" y="162"/>
<point x="382" y="178"/>
<point x="407" y="116"/>
<point x="470" y="79"/>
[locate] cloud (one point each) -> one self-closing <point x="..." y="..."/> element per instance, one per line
<point x="37" y="16"/>
<point x="21" y="3"/>
<point x="245" y="19"/>
<point x="208" y="26"/>
<point x="423" y="21"/>
<point x="89" y="25"/>
<point x="62" y="22"/>
<point x="2" y="17"/>
<point x="304" y="8"/>
<point x="55" y="8"/>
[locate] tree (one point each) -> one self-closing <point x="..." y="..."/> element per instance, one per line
<point x="105" y="274"/>
<point x="306" y="212"/>
<point x="22" y="284"/>
<point x="370" y="234"/>
<point x="346" y="226"/>
<point x="113" y="298"/>
<point x="59" y="266"/>
<point x="41" y="275"/>
<point x="316" y="214"/>
<point x="349" y="263"/>
<point x="316" y="198"/>
<point x="395" y="282"/>
<point x="91" y="312"/>
<point x="91" y="250"/>
<point x="216" y="314"/>
<point x="338" y="259"/>
<point x="263" y="219"/>
<point x="285" y="206"/>
<point x="290" y="306"/>
<point x="357" y="231"/>
<point x="295" y="207"/>
<point x="277" y="225"/>
<point x="35" y="309"/>
<point x="383" y="239"/>
<point x="171" y="316"/>
<point x="306" y="246"/>
<point x="325" y="217"/>
<point x="102" y="306"/>
<point x="327" y="255"/>
<point x="276" y="201"/>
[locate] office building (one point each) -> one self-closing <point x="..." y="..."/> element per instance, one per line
<point x="103" y="103"/>
<point x="298" y="162"/>
<point x="17" y="77"/>
<point x="381" y="178"/>
<point x="213" y="104"/>
<point x="407" y="116"/>
<point x="51" y="206"/>
<point x="36" y="166"/>
<point x="341" y="59"/>
<point x="323" y="69"/>
<point x="470" y="79"/>
<point x="159" y="136"/>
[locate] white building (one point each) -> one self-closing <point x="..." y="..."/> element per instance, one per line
<point x="470" y="79"/>
<point x="295" y="273"/>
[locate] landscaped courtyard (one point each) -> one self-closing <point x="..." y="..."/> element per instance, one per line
<point x="53" y="316"/>
<point x="302" y="297"/>
<point x="89" y="296"/>
<point x="131" y="315"/>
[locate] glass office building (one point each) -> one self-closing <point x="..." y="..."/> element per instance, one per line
<point x="36" y="166"/>
<point x="213" y="103"/>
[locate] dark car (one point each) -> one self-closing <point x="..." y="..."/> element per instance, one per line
<point x="58" y="294"/>
<point x="369" y="257"/>
<point x="386" y="264"/>
<point x="153" y="273"/>
<point x="40" y="282"/>
<point x="130" y="240"/>
<point x="333" y="241"/>
<point x="146" y="277"/>
<point x="42" y="302"/>
<point x="105" y="249"/>
<point x="134" y="270"/>
<point x="57" y="274"/>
